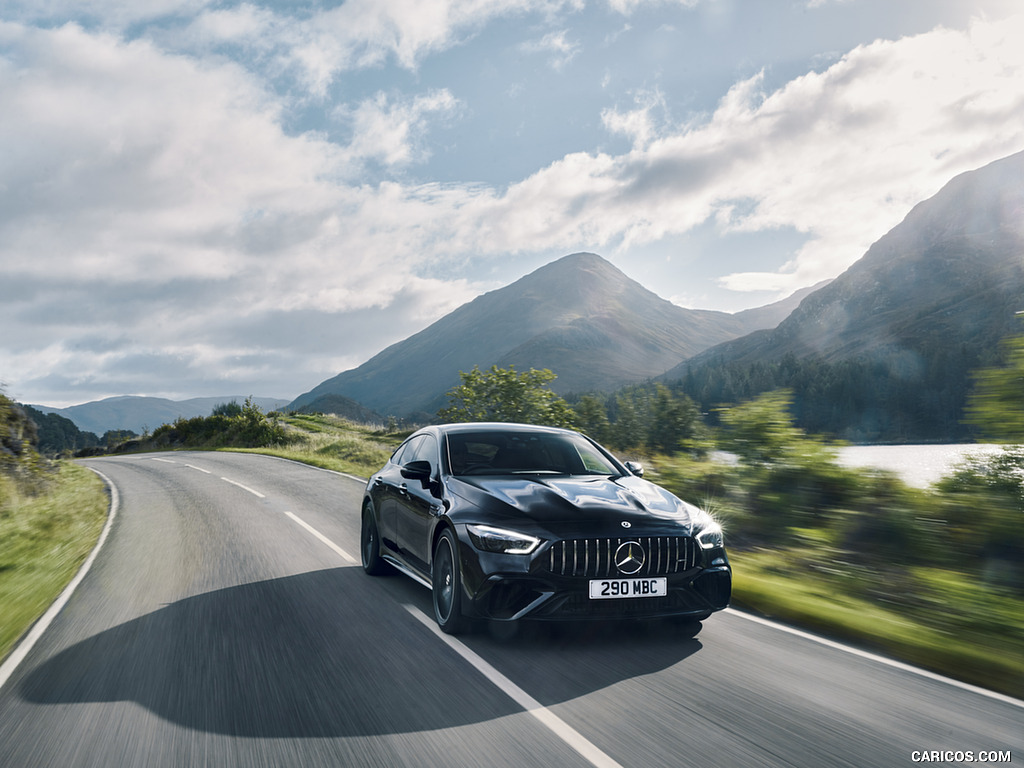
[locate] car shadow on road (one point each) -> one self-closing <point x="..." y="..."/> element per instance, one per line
<point x="331" y="653"/>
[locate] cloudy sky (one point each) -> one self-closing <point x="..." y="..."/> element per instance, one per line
<point x="208" y="197"/>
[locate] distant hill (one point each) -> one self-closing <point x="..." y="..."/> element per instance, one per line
<point x="345" y="407"/>
<point x="885" y="350"/>
<point x="57" y="434"/>
<point x="140" y="413"/>
<point x="579" y="316"/>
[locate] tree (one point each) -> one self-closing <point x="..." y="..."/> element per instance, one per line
<point x="996" y="404"/>
<point x="629" y="431"/>
<point x="504" y="394"/>
<point x="674" y="422"/>
<point x="591" y="417"/>
<point x="230" y="410"/>
<point x="761" y="431"/>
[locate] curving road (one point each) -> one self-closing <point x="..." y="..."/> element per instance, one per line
<point x="226" y="622"/>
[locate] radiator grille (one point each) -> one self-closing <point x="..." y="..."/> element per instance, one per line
<point x="595" y="558"/>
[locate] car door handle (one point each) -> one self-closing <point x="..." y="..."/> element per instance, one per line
<point x="404" y="489"/>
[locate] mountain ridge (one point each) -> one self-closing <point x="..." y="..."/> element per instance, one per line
<point x="579" y="315"/>
<point x="139" y="413"/>
<point x="901" y="330"/>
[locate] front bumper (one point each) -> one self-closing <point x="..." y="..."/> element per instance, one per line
<point x="553" y="584"/>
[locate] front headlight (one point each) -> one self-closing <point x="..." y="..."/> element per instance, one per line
<point x="501" y="540"/>
<point x="711" y="537"/>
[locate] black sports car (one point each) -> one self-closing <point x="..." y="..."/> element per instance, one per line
<point x="510" y="521"/>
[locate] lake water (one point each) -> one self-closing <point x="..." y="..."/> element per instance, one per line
<point x="918" y="465"/>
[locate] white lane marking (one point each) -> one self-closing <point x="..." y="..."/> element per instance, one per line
<point x="199" y="469"/>
<point x="165" y="461"/>
<point x="360" y="480"/>
<point x="879" y="659"/>
<point x="23" y="648"/>
<point x="243" y="487"/>
<point x="549" y="719"/>
<point x="344" y="555"/>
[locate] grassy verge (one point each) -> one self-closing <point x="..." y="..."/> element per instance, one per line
<point x="46" y="537"/>
<point x="952" y="625"/>
<point x="333" y="443"/>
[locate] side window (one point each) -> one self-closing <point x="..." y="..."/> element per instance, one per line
<point x="403" y="455"/>
<point x="425" y="449"/>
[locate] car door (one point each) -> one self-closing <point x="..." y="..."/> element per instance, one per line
<point x="387" y="493"/>
<point x="418" y="505"/>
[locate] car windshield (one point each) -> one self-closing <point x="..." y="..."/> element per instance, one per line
<point x="501" y="452"/>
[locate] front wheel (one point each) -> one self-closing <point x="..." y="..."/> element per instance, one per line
<point x="446" y="580"/>
<point x="369" y="545"/>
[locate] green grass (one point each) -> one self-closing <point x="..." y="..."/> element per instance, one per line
<point x="330" y="442"/>
<point x="948" y="624"/>
<point x="46" y="536"/>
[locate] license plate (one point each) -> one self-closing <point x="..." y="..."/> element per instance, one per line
<point x="611" y="589"/>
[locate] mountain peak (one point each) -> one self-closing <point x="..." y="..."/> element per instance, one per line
<point x="580" y="316"/>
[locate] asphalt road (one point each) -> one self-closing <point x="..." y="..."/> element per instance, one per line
<point x="226" y="622"/>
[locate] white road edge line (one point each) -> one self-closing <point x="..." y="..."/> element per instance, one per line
<point x="243" y="487"/>
<point x="25" y="646"/>
<point x="879" y="659"/>
<point x="549" y="719"/>
<point x="344" y="555"/>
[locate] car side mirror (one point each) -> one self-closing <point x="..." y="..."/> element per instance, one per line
<point x="417" y="470"/>
<point x="635" y="468"/>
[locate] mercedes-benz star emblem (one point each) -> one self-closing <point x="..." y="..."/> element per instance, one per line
<point x="626" y="524"/>
<point x="629" y="557"/>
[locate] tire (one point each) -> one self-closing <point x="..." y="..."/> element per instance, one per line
<point x="369" y="545"/>
<point x="446" y="583"/>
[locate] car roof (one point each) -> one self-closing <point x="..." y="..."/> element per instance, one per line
<point x="491" y="426"/>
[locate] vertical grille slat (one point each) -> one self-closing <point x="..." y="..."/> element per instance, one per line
<point x="595" y="558"/>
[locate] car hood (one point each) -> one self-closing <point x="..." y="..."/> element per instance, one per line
<point x="559" y="499"/>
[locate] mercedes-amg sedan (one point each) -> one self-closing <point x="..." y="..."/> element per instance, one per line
<point x="509" y="521"/>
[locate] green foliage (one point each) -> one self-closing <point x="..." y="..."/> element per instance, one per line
<point x="239" y="426"/>
<point x="646" y="417"/>
<point x="507" y="395"/>
<point x="18" y="433"/>
<point x="19" y="459"/>
<point x="228" y="410"/>
<point x="900" y="396"/>
<point x="591" y="418"/>
<point x="996" y="404"/>
<point x="58" y="435"/>
<point x="761" y="431"/>
<point x="115" y="437"/>
<point x="982" y="510"/>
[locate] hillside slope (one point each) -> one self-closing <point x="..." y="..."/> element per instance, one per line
<point x="926" y="304"/>
<point x="579" y="316"/>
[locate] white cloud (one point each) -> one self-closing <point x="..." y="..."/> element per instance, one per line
<point x="155" y="215"/>
<point x="626" y="7"/>
<point x="388" y="132"/>
<point x="637" y="124"/>
<point x="359" y="33"/>
<point x="841" y="155"/>
<point x="562" y="49"/>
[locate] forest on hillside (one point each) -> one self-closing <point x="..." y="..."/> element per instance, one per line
<point x="898" y="398"/>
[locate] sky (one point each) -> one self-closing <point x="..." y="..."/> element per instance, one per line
<point x="206" y="198"/>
